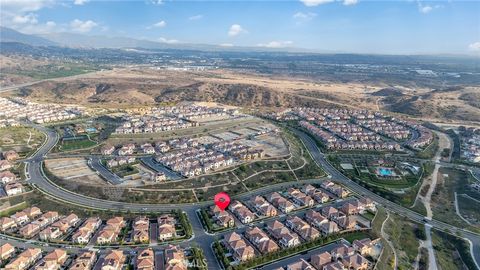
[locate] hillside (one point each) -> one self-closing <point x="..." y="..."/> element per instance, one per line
<point x="122" y="87"/>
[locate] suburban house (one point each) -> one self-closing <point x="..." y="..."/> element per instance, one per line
<point x="84" y="261"/>
<point x="50" y="233"/>
<point x="240" y="249"/>
<point x="174" y="258"/>
<point x="5" y="165"/>
<point x="315" y="218"/>
<point x="242" y="212"/>
<point x="223" y="218"/>
<point x="7" y="223"/>
<point x="355" y="261"/>
<point x="53" y="260"/>
<point x="13" y="188"/>
<point x="114" y="260"/>
<point x="263" y="207"/>
<point x="282" y="234"/>
<point x="145" y="259"/>
<point x="302" y="228"/>
<point x="29" y="230"/>
<point x="342" y="251"/>
<point x="261" y="240"/>
<point x="329" y="228"/>
<point x="300" y="198"/>
<point x="25" y="259"/>
<point x="10" y="155"/>
<point x="166" y="227"/>
<point x="280" y="202"/>
<point x="319" y="260"/>
<point x="300" y="265"/>
<point x="6" y="251"/>
<point x="141" y="227"/>
<point x="7" y="177"/>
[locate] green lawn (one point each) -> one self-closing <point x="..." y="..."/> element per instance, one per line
<point x="76" y="145"/>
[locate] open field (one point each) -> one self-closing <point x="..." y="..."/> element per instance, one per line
<point x="387" y="256"/>
<point x="451" y="252"/>
<point x="18" y="69"/>
<point x="404" y="236"/>
<point x="469" y="209"/>
<point x="23" y="140"/>
<point x="443" y="200"/>
<point x="74" y="170"/>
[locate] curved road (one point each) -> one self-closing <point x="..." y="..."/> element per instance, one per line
<point x="201" y="238"/>
<point x="474" y="238"/>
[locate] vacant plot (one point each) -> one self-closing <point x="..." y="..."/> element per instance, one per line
<point x="469" y="209"/>
<point x="386" y="259"/>
<point x="269" y="178"/>
<point x="451" y="252"/>
<point x="171" y="196"/>
<point x="443" y="198"/>
<point x="205" y="194"/>
<point x="404" y="236"/>
<point x="73" y="170"/>
<point x="198" y="182"/>
<point x="23" y="140"/>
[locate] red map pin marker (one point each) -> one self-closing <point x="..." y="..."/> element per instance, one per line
<point x="222" y="200"/>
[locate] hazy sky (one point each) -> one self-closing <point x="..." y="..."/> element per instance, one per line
<point x="394" y="27"/>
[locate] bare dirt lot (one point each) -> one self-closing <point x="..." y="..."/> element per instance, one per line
<point x="74" y="170"/>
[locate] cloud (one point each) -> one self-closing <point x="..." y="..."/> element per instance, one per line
<point x="157" y="2"/>
<point x="314" y="3"/>
<point x="350" y="2"/>
<point x="159" y="24"/>
<point x="40" y="28"/>
<point x="276" y="44"/>
<point x="82" y="26"/>
<point x="303" y="17"/>
<point x="169" y="41"/>
<point x="226" y="45"/>
<point x="25" y="5"/>
<point x="196" y="17"/>
<point x="425" y="9"/>
<point x="29" y="18"/>
<point x="80" y="2"/>
<point x="474" y="46"/>
<point x="235" y="30"/>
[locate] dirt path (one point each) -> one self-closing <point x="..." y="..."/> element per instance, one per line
<point x="29" y="138"/>
<point x="457" y="210"/>
<point x="443" y="142"/>
<point x="387" y="239"/>
<point x="432" y="263"/>
<point x="416" y="263"/>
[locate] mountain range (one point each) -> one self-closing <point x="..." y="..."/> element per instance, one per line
<point x="73" y="40"/>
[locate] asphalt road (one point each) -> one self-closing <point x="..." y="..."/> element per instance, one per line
<point x="96" y="164"/>
<point x="202" y="239"/>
